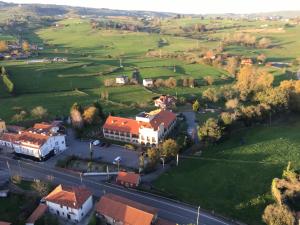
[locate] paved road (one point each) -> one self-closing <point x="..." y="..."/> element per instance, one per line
<point x="170" y="210"/>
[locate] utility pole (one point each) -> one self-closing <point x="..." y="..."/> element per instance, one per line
<point x="20" y="171"/>
<point x="80" y="177"/>
<point x="177" y="159"/>
<point x="8" y="167"/>
<point x="163" y="161"/>
<point x="107" y="171"/>
<point x="198" y="215"/>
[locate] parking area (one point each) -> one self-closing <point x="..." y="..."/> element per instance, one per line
<point x="106" y="154"/>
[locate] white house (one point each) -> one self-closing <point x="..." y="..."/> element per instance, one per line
<point x="71" y="203"/>
<point x="40" y="141"/>
<point x="146" y="129"/>
<point x="122" y="79"/>
<point x="148" y="82"/>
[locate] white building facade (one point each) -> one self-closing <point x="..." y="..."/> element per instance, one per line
<point x="70" y="203"/>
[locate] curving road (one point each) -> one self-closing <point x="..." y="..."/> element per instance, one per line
<point x="168" y="209"/>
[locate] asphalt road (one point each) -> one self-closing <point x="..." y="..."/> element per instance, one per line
<point x="167" y="209"/>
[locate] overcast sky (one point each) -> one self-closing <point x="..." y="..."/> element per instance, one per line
<point x="181" y="6"/>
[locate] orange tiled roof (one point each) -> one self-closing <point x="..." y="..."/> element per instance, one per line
<point x="11" y="137"/>
<point x="132" y="178"/>
<point x="163" y="116"/>
<point x="122" y="125"/>
<point x="33" y="138"/>
<point x="43" y="126"/>
<point x="125" y="210"/>
<point x="73" y="197"/>
<point x="37" y="213"/>
<point x="132" y="126"/>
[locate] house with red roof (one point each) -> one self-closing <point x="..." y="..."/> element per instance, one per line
<point x="71" y="203"/>
<point x="128" y="179"/>
<point x="148" y="129"/>
<point x="40" y="141"/>
<point x="115" y="210"/>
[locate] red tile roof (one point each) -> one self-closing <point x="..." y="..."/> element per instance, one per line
<point x="37" y="213"/>
<point x="9" y="137"/>
<point x="122" y="125"/>
<point x="73" y="197"/>
<point x="132" y="126"/>
<point x="125" y="210"/>
<point x="132" y="178"/>
<point x="34" y="139"/>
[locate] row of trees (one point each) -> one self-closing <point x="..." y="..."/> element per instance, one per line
<point x="247" y="40"/>
<point x="7" y="81"/>
<point x="251" y="99"/>
<point x="38" y="112"/>
<point x="86" y="116"/>
<point x="285" y="192"/>
<point x="4" y="46"/>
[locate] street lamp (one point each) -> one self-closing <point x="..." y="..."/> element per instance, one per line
<point x="163" y="161"/>
<point x="198" y="214"/>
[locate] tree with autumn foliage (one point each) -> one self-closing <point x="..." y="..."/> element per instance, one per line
<point x="3" y="46"/>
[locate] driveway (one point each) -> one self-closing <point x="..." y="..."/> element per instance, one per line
<point x="107" y="154"/>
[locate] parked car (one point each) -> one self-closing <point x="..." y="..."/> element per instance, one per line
<point x="96" y="142"/>
<point x="107" y="145"/>
<point x="117" y="160"/>
<point x="102" y="144"/>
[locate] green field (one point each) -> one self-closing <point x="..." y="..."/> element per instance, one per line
<point x="233" y="179"/>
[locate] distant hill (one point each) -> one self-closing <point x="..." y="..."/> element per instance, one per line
<point x="58" y="10"/>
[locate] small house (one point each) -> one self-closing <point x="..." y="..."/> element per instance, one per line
<point x="165" y="102"/>
<point x="71" y="203"/>
<point x="122" y="79"/>
<point x="148" y="82"/>
<point x="247" y="62"/>
<point x="117" y="210"/>
<point x="128" y="179"/>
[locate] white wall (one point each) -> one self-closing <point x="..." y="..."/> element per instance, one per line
<point x="76" y="215"/>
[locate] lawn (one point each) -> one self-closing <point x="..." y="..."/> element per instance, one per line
<point x="16" y="208"/>
<point x="233" y="179"/>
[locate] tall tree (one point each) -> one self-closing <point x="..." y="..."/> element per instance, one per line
<point x="169" y="148"/>
<point x="210" y="131"/>
<point x="3" y="46"/>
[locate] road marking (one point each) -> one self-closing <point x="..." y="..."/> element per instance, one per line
<point x="121" y="190"/>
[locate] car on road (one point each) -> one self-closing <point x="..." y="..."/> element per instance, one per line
<point x="96" y="142"/>
<point x="102" y="144"/>
<point x="117" y="160"/>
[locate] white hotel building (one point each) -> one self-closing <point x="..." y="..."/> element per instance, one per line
<point x="147" y="129"/>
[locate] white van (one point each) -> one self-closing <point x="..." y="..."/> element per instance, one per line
<point x="96" y="142"/>
<point x="117" y="160"/>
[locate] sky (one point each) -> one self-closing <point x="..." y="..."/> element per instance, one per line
<point x="181" y="6"/>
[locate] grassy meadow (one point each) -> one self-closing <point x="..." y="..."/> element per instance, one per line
<point x="233" y="179"/>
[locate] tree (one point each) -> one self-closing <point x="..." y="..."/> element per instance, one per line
<point x="209" y="80"/>
<point x="210" y="94"/>
<point x="91" y="115"/>
<point x="101" y="114"/>
<point x="153" y="155"/>
<point x="171" y="82"/>
<point x="232" y="104"/>
<point x="226" y="118"/>
<point x="232" y="65"/>
<point x="3" y="46"/>
<point x="264" y="43"/>
<point x="169" y="148"/>
<point x="40" y="187"/>
<point x="39" y="112"/>
<point x="26" y="46"/>
<point x="276" y="192"/>
<point x="76" y="116"/>
<point x="276" y="98"/>
<point x="196" y="106"/>
<point x="159" y="83"/>
<point x="109" y="82"/>
<point x="275" y="214"/>
<point x="210" y="131"/>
